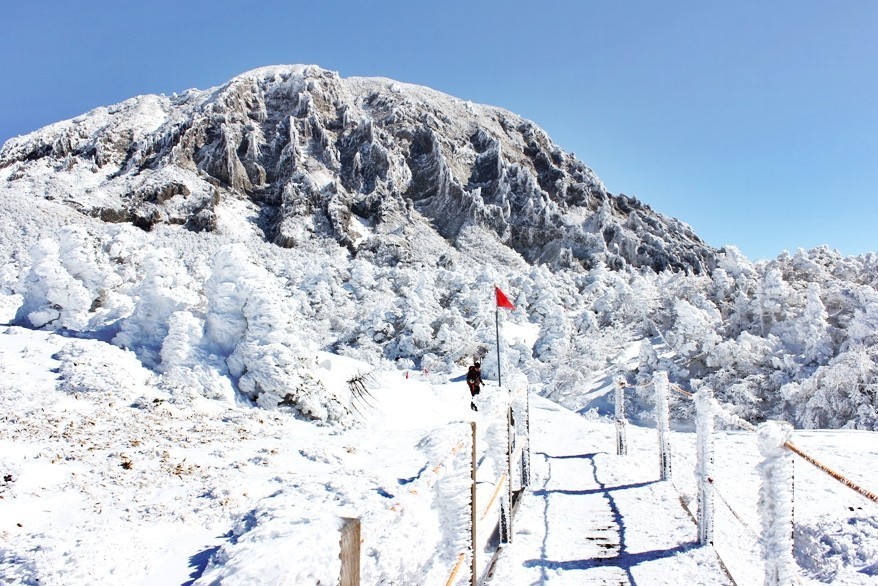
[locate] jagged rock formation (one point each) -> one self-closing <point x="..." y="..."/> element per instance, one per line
<point x="314" y="154"/>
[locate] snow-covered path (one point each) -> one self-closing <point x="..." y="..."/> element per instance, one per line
<point x="592" y="517"/>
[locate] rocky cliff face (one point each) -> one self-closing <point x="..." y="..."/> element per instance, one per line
<point x="311" y="154"/>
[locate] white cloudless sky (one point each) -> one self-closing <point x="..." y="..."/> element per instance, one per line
<point x="754" y="122"/>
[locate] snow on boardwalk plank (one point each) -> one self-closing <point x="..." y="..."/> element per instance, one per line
<point x="591" y="517"/>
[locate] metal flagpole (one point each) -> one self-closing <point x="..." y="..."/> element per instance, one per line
<point x="497" y="321"/>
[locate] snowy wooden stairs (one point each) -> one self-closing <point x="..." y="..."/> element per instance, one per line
<point x="591" y="517"/>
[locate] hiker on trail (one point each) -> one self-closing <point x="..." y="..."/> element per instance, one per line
<point x="474" y="380"/>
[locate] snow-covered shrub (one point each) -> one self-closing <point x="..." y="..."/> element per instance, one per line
<point x="187" y="366"/>
<point x="52" y="297"/>
<point x="840" y="394"/>
<point x="252" y="323"/>
<point x="164" y="288"/>
<point x="74" y="282"/>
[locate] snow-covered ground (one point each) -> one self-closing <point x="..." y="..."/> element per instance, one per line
<point x="106" y="478"/>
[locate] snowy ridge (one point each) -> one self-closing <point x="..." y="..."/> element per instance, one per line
<point x="369" y="147"/>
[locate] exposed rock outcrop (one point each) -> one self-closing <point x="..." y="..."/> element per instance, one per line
<point x="319" y="155"/>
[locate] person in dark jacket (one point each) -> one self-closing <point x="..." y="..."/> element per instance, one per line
<point x="474" y="381"/>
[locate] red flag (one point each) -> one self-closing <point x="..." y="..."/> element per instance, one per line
<point x="502" y="300"/>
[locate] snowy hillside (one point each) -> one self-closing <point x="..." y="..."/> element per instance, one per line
<point x="188" y="284"/>
<point x="370" y="218"/>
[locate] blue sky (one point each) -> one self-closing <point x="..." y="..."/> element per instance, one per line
<point x="754" y="122"/>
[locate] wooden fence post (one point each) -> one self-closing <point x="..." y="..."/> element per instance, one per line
<point x="525" y="455"/>
<point x="472" y="497"/>
<point x="506" y="500"/>
<point x="776" y="502"/>
<point x="662" y="420"/>
<point x="704" y="451"/>
<point x="350" y="553"/>
<point x="621" y="422"/>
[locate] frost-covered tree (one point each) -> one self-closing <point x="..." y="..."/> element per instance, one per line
<point x="840" y="394"/>
<point x="812" y="329"/>
<point x="694" y="332"/>
<point x="252" y="323"/>
<point x="52" y="297"/>
<point x="164" y="289"/>
<point x="771" y="300"/>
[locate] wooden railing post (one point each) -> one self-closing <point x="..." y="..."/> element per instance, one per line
<point x="776" y="502"/>
<point x="472" y="497"/>
<point x="621" y="422"/>
<point x="506" y="501"/>
<point x="349" y="543"/>
<point x="704" y="427"/>
<point x="525" y="455"/>
<point x="663" y="422"/>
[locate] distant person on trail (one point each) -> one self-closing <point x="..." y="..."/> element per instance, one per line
<point x="474" y="380"/>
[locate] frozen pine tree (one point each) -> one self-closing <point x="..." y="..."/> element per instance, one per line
<point x="812" y="329"/>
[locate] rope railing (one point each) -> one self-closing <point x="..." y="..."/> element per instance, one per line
<point x="839" y="477"/>
<point x="515" y="454"/>
<point x="734" y="513"/>
<point x="454" y="572"/>
<point x="776" y="470"/>
<point x="729" y="417"/>
<point x="497" y="488"/>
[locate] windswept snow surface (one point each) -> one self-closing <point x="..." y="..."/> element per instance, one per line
<point x="104" y="477"/>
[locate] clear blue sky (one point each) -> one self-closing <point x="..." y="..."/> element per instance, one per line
<point x="755" y="122"/>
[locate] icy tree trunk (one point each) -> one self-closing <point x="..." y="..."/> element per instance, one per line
<point x="704" y="450"/>
<point x="621" y="422"/>
<point x="776" y="503"/>
<point x="663" y="419"/>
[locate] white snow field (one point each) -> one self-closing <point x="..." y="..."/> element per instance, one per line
<point x="108" y="479"/>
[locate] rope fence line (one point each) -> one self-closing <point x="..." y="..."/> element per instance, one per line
<point x="681" y="391"/>
<point x="820" y="466"/>
<point x="731" y="510"/>
<point x="460" y="559"/>
<point x="494" y="496"/>
<point x="730" y="417"/>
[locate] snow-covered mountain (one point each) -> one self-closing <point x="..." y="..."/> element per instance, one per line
<point x="321" y="155"/>
<point x="225" y="236"/>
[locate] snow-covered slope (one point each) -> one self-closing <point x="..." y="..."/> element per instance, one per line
<point x="106" y="477"/>
<point x="226" y="235"/>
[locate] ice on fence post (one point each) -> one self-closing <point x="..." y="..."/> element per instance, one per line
<point x="704" y="428"/>
<point x="776" y="502"/>
<point x="621" y="422"/>
<point x="662" y="420"/>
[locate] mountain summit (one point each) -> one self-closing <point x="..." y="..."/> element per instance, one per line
<point x="311" y="154"/>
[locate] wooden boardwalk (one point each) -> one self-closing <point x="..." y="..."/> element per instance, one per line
<point x="591" y="517"/>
